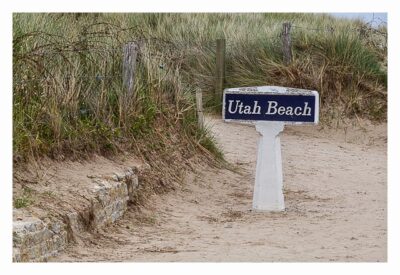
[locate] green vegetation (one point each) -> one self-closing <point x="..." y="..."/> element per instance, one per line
<point x="25" y="199"/>
<point x="67" y="73"/>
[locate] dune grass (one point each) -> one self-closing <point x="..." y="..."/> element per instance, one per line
<point x="67" y="74"/>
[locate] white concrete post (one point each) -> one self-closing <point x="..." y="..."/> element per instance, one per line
<point x="268" y="188"/>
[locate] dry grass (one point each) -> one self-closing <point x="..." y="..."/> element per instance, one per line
<point x="68" y="93"/>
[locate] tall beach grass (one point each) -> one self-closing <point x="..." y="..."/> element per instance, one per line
<point x="67" y="74"/>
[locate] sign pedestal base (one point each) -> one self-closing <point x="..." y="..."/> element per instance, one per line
<point x="268" y="188"/>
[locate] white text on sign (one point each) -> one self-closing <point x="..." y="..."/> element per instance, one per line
<point x="237" y="106"/>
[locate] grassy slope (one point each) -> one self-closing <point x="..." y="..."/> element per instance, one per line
<point x="68" y="96"/>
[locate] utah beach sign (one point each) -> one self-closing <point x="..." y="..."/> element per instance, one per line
<point x="270" y="108"/>
<point x="270" y="103"/>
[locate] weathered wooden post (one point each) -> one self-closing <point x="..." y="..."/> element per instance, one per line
<point x="220" y="70"/>
<point x="286" y="43"/>
<point x="270" y="108"/>
<point x="128" y="74"/>
<point x="199" y="107"/>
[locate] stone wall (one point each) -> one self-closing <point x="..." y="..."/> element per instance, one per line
<point x="37" y="240"/>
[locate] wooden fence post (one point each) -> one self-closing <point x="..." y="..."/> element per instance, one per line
<point x="130" y="52"/>
<point x="286" y="43"/>
<point x="199" y="107"/>
<point x="128" y="70"/>
<point x="220" y="69"/>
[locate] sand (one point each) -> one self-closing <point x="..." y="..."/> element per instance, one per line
<point x="335" y="190"/>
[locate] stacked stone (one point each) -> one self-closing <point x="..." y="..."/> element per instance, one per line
<point x="36" y="240"/>
<point x="111" y="199"/>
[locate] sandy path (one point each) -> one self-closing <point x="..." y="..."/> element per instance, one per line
<point x="335" y="195"/>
